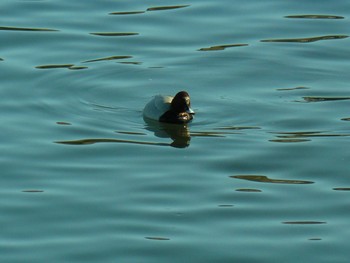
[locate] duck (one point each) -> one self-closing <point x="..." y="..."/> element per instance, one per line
<point x="169" y="109"/>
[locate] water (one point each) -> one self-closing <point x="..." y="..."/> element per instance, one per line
<point x="260" y="175"/>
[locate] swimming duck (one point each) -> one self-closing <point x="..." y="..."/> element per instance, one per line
<point x="170" y="109"/>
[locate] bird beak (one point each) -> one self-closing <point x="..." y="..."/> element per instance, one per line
<point x="190" y="111"/>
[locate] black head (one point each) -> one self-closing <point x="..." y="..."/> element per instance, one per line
<point x="180" y="109"/>
<point x="181" y="103"/>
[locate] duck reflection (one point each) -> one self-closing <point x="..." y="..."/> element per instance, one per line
<point x="179" y="133"/>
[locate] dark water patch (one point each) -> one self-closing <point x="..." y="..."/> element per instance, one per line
<point x="248" y="190"/>
<point x="315" y="16"/>
<point x="306" y="40"/>
<point x="315" y="239"/>
<point x="1" y="59"/>
<point x="107" y="58"/>
<point x="54" y="66"/>
<point x="324" y="98"/>
<point x="161" y="8"/>
<point x="221" y="47"/>
<point x="158" y="238"/>
<point x="9" y="28"/>
<point x="63" y="123"/>
<point x="93" y="141"/>
<point x="225" y="206"/>
<point x="131" y="133"/>
<point x="265" y="179"/>
<point x="341" y="189"/>
<point x="289" y="89"/>
<point x="127" y="13"/>
<point x="304" y="222"/>
<point x="32" y="191"/>
<point x="114" y="34"/>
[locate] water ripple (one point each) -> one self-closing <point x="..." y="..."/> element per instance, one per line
<point x="158" y="238"/>
<point x="304" y="222"/>
<point x="102" y="140"/>
<point x="161" y="8"/>
<point x="221" y="47"/>
<point x="32" y="191"/>
<point x="315" y="16"/>
<point x="265" y="179"/>
<point x="107" y="58"/>
<point x="324" y="98"/>
<point x="341" y="189"/>
<point x="298" y="136"/>
<point x="307" y="39"/>
<point x="114" y="34"/>
<point x="9" y="28"/>
<point x="52" y="66"/>
<point x="290" y="89"/>
<point x="127" y="13"/>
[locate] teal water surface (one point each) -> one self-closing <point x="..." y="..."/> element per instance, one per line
<point x="260" y="175"/>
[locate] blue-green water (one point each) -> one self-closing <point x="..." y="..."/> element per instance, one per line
<point x="260" y="175"/>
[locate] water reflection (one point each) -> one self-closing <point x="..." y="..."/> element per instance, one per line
<point x="32" y="191"/>
<point x="155" y="8"/>
<point x="221" y="47"/>
<point x="131" y="62"/>
<point x="265" y="179"/>
<point x="300" y="136"/>
<point x="315" y="239"/>
<point x="127" y="13"/>
<point x="248" y="190"/>
<point x="158" y="238"/>
<point x="74" y="67"/>
<point x="27" y="29"/>
<point x="179" y="133"/>
<point x="289" y="140"/>
<point x="106" y="140"/>
<point x="131" y="133"/>
<point x="53" y="66"/>
<point x="315" y="16"/>
<point x="160" y="8"/>
<point x="306" y="40"/>
<point x="239" y="128"/>
<point x="114" y="34"/>
<point x="323" y="98"/>
<point x="295" y="88"/>
<point x="341" y="189"/>
<point x="77" y="67"/>
<point x="225" y="206"/>
<point x="107" y="58"/>
<point x="304" y="222"/>
<point x="63" y="123"/>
